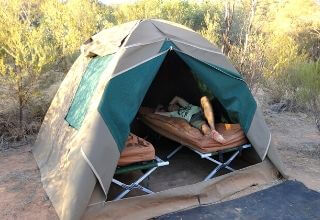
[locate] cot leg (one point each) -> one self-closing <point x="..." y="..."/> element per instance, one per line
<point x="135" y="185"/>
<point x="219" y="163"/>
<point x="222" y="165"/>
<point x="174" y="152"/>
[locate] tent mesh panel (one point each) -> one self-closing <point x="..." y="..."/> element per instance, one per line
<point x="88" y="83"/>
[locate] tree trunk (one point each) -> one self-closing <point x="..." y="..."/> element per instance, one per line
<point x="20" y="103"/>
<point x="228" y="18"/>
<point x="20" y="114"/>
<point x="248" y="32"/>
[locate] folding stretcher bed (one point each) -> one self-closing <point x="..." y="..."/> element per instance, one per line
<point x="138" y="154"/>
<point x="181" y="131"/>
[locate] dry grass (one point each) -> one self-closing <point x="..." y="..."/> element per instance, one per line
<point x="11" y="133"/>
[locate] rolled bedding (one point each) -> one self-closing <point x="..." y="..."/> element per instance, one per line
<point x="136" y="150"/>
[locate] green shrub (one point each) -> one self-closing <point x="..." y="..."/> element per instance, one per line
<point x="304" y="83"/>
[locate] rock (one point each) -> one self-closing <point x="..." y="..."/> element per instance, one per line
<point x="279" y="107"/>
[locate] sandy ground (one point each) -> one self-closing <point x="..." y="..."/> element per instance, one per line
<point x="22" y="195"/>
<point x="298" y="141"/>
<point x="21" y="192"/>
<point x="186" y="168"/>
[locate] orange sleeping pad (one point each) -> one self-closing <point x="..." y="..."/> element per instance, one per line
<point x="182" y="132"/>
<point x="136" y="150"/>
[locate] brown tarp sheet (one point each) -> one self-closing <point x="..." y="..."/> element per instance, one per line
<point x="181" y="131"/>
<point x="171" y="200"/>
<point x="136" y="150"/>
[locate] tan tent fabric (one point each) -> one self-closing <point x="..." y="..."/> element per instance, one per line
<point x="135" y="55"/>
<point x="274" y="157"/>
<point x="63" y="169"/>
<point x="106" y="41"/>
<point x="140" y="36"/>
<point x="216" y="58"/>
<point x="98" y="148"/>
<point x="259" y="134"/>
<point x="181" y="131"/>
<point x="174" y="31"/>
<point x="136" y="150"/>
<point x="72" y="161"/>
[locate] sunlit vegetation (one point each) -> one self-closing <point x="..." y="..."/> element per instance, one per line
<point x="274" y="44"/>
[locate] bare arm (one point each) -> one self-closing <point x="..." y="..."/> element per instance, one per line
<point x="179" y="100"/>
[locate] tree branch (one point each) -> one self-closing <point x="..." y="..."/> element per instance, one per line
<point x="9" y="52"/>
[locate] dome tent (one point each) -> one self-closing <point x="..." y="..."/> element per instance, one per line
<point x="87" y="124"/>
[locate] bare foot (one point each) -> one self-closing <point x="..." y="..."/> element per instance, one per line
<point x="218" y="137"/>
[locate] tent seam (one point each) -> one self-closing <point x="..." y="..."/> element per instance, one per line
<point x="200" y="48"/>
<point x="217" y="68"/>
<point x="158" y="29"/>
<point x="129" y="34"/>
<point x="265" y="154"/>
<point x="96" y="203"/>
<point x="141" y="44"/>
<point x="94" y="170"/>
<point x="138" y="64"/>
<point x="171" y="37"/>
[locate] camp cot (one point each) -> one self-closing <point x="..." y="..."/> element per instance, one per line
<point x="88" y="121"/>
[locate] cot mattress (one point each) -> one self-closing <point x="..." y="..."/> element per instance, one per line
<point x="181" y="131"/>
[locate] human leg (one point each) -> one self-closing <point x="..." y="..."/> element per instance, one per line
<point x="209" y="115"/>
<point x="199" y="122"/>
<point x="206" y="130"/>
<point x="208" y="111"/>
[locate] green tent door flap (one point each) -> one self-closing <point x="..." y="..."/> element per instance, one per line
<point x="123" y="96"/>
<point x="125" y="92"/>
<point x="228" y="87"/>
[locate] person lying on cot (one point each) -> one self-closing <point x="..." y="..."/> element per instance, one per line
<point x="202" y="119"/>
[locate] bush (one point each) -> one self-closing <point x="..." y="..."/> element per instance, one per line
<point x="304" y="84"/>
<point x="272" y="43"/>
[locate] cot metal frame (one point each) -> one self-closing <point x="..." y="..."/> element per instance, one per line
<point x="220" y="164"/>
<point x="136" y="184"/>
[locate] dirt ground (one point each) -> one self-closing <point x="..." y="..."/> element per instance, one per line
<point x="22" y="195"/>
<point x="298" y="142"/>
<point x="21" y="192"/>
